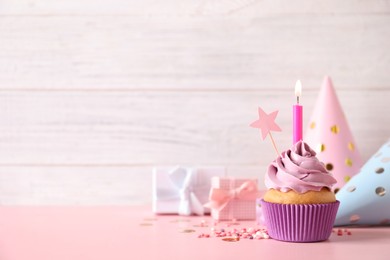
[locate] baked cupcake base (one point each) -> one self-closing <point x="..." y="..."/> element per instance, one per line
<point x="292" y="197"/>
<point x="299" y="222"/>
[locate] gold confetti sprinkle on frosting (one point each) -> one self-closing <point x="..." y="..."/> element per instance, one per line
<point x="312" y="125"/>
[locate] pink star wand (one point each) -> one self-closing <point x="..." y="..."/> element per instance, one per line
<point x="266" y="123"/>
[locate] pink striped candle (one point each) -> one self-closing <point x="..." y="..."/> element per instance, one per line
<point x="297" y="115"/>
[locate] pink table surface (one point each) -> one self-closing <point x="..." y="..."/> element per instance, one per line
<point x="75" y="233"/>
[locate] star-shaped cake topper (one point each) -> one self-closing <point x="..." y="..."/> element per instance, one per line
<point x="266" y="123"/>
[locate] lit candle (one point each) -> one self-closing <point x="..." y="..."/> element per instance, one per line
<point x="297" y="115"/>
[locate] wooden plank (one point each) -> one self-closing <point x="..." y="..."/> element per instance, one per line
<point x="212" y="53"/>
<point x="87" y="185"/>
<point x="189" y="8"/>
<point x="148" y="128"/>
<point x="74" y="185"/>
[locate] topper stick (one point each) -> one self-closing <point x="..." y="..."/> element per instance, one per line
<point x="273" y="143"/>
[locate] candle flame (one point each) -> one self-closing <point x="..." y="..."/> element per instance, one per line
<point x="298" y="88"/>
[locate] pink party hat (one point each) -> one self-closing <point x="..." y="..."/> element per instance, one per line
<point x="331" y="137"/>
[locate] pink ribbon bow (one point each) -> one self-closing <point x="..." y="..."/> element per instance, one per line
<point x="219" y="198"/>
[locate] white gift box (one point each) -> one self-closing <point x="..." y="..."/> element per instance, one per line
<point x="183" y="190"/>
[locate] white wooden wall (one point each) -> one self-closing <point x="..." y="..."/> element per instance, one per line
<point x="93" y="94"/>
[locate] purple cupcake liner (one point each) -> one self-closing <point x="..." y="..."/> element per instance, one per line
<point x="299" y="222"/>
<point x="259" y="213"/>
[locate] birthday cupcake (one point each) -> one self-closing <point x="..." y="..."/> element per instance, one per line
<point x="299" y="205"/>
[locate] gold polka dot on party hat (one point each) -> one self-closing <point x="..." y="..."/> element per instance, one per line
<point x="380" y="191"/>
<point x="347" y="178"/>
<point x="335" y="129"/>
<point x="321" y="147"/>
<point x="385" y="159"/>
<point x="354" y="218"/>
<point x="329" y="166"/>
<point x="348" y="162"/>
<point x="351" y="146"/>
<point x="312" y="125"/>
<point x="379" y="170"/>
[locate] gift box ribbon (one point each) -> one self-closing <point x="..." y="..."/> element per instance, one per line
<point x="219" y="198"/>
<point x="186" y="182"/>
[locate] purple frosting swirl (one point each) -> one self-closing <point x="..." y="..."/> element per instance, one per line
<point x="298" y="169"/>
